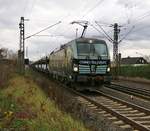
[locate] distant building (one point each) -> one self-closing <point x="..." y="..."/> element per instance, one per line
<point x="133" y="61"/>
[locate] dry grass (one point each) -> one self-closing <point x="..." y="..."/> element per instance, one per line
<point x="7" y="68"/>
<point x="36" y="111"/>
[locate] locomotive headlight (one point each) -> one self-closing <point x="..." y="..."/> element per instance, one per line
<point x="75" y="68"/>
<point x="108" y="69"/>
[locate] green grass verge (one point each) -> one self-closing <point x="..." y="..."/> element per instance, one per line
<point x="24" y="106"/>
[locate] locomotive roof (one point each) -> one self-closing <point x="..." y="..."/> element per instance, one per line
<point x="77" y="40"/>
<point x="87" y="39"/>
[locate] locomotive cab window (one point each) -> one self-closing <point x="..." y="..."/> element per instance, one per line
<point x="92" y="50"/>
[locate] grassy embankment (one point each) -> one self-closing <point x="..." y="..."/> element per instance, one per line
<point x="24" y="106"/>
<point x="136" y="71"/>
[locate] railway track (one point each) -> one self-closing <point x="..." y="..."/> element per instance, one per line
<point x="122" y="113"/>
<point x="142" y="93"/>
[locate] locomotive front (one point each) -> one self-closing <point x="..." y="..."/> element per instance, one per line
<point x="92" y="62"/>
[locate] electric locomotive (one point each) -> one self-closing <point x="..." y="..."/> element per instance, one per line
<point x="82" y="61"/>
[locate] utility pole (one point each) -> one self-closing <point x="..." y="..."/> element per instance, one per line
<point x="115" y="41"/>
<point x="21" y="47"/>
<point x="115" y="50"/>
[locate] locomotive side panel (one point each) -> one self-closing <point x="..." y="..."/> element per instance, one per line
<point x="60" y="63"/>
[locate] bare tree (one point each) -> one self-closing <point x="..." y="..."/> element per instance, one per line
<point x="147" y="57"/>
<point x="3" y="53"/>
<point x="12" y="55"/>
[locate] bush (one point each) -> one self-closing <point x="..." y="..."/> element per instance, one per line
<point x="135" y="71"/>
<point x="7" y="67"/>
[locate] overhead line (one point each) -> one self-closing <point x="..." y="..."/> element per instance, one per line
<point x="104" y="31"/>
<point x="127" y="34"/>
<point x="43" y="30"/>
<point x="101" y="33"/>
<point x="146" y="14"/>
<point x="143" y="15"/>
<point x="91" y="9"/>
<point x="147" y="26"/>
<point x="48" y="35"/>
<point x="25" y="7"/>
<point x="32" y="7"/>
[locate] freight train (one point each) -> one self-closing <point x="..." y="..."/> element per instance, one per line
<point x="83" y="61"/>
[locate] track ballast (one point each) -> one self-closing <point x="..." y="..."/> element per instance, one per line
<point x="123" y="112"/>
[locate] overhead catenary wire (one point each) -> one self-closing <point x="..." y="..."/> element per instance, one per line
<point x="129" y="11"/>
<point x="126" y="34"/>
<point x="49" y="35"/>
<point x="32" y="7"/>
<point x="110" y="39"/>
<point x="140" y="18"/>
<point x="25" y="7"/>
<point x="141" y="28"/>
<point x="29" y="8"/>
<point x="94" y="7"/>
<point x="147" y="13"/>
<point x="43" y="30"/>
<point x="101" y="32"/>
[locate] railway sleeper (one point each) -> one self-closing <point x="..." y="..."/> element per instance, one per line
<point x="142" y="118"/>
<point x="119" y="123"/>
<point x="144" y="122"/>
<point x="113" y="118"/>
<point x="114" y="104"/>
<point x="126" y="126"/>
<point x="134" y="111"/>
<point x="134" y="115"/>
<point x="128" y="111"/>
<point x="102" y="112"/>
<point x="107" y="115"/>
<point x="118" y="108"/>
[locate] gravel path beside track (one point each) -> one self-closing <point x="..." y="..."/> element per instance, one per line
<point x="132" y="84"/>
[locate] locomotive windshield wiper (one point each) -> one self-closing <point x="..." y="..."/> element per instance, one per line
<point x="99" y="57"/>
<point x="87" y="57"/>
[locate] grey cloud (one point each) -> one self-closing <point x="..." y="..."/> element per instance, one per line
<point x="10" y="11"/>
<point x="133" y="3"/>
<point x="51" y="11"/>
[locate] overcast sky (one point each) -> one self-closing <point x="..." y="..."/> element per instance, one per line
<point x="131" y="15"/>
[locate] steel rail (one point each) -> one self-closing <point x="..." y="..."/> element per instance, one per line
<point x="127" y="120"/>
<point x="132" y="91"/>
<point x="134" y="106"/>
<point x="137" y="88"/>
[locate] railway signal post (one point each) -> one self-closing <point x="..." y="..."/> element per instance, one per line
<point x="21" y="47"/>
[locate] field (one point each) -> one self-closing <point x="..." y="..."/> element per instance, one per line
<point x="25" y="106"/>
<point x="135" y="71"/>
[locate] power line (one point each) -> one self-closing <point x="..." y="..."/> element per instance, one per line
<point x="143" y="15"/>
<point x="94" y="7"/>
<point x="140" y="18"/>
<point x="141" y="28"/>
<point x="32" y="7"/>
<point x="101" y="32"/>
<point x="43" y="30"/>
<point x="97" y="30"/>
<point x="110" y="39"/>
<point x="25" y="7"/>
<point x="127" y="34"/>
